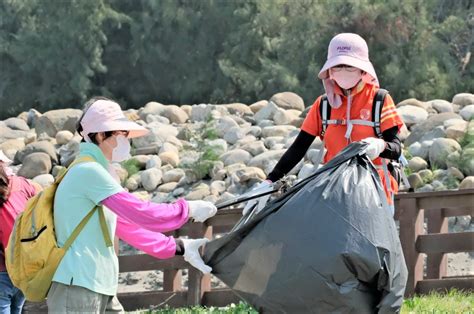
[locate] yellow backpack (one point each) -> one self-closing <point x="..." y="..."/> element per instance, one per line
<point x="32" y="255"/>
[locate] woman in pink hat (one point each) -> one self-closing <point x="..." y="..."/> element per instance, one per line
<point x="86" y="279"/>
<point x="354" y="108"/>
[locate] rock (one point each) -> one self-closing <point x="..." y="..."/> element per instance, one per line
<point x="467" y="113"/>
<point x="457" y="131"/>
<point x="467" y="183"/>
<point x="175" y="114"/>
<point x="56" y="170"/>
<point x="30" y="138"/>
<point x="415" y="180"/>
<point x="198" y="193"/>
<point x="426" y="188"/>
<point x="440" y="150"/>
<point x="160" y="197"/>
<point x="426" y="175"/>
<point x="32" y="117"/>
<point x="441" y="105"/>
<point x="437" y="132"/>
<point x="438" y="186"/>
<point x="455" y="173"/>
<point x="10" y="147"/>
<point x="262" y="160"/>
<point x="54" y="121"/>
<point x="278" y="130"/>
<point x="273" y="141"/>
<point x="226" y="196"/>
<point x="6" y="133"/>
<point x="224" y="124"/>
<point x="132" y="184"/>
<point x="173" y="175"/>
<point x="63" y="137"/>
<point x="151" y="108"/>
<point x="151" y="178"/>
<point x="167" y="187"/>
<point x="68" y="152"/>
<point x="156" y="118"/>
<point x="412" y="115"/>
<point x="439" y="174"/>
<point x="217" y="187"/>
<point x="313" y="155"/>
<point x="159" y="133"/>
<point x="413" y="102"/>
<point x="463" y="99"/>
<point x="201" y="112"/>
<point x="453" y="122"/>
<point x="168" y="147"/>
<point x="218" y="172"/>
<point x="250" y="173"/>
<point x="219" y="146"/>
<point x="255" y="131"/>
<point x="234" y="134"/>
<point x="254" y="148"/>
<point x="238" y="109"/>
<point x="17" y="124"/>
<point x="41" y="146"/>
<point x="416" y="164"/>
<point x="285" y="116"/>
<point x="288" y="100"/>
<point x="44" y="180"/>
<point x="306" y="171"/>
<point x="255" y="107"/>
<point x="169" y="158"/>
<point x="178" y="192"/>
<point x="419" y="130"/>
<point x="140" y="161"/>
<point x="153" y="162"/>
<point x="121" y="172"/>
<point x="35" y="164"/>
<point x="235" y="156"/>
<point x="266" y="113"/>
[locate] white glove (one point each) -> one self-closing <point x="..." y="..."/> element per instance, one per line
<point x="375" y="147"/>
<point x="201" y="210"/>
<point x="192" y="255"/>
<point x="262" y="187"/>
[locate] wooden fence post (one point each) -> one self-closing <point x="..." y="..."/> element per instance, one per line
<point x="411" y="225"/>
<point x="436" y="263"/>
<point x="197" y="282"/>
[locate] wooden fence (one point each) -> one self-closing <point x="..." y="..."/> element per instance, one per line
<point x="411" y="211"/>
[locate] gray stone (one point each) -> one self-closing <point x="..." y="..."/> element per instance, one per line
<point x="175" y="114"/>
<point x="53" y="121"/>
<point x="455" y="172"/>
<point x="419" y="130"/>
<point x="17" y="124"/>
<point x="32" y="116"/>
<point x="35" y="164"/>
<point x="441" y="105"/>
<point x="10" y="147"/>
<point x="234" y="134"/>
<point x="417" y="163"/>
<point x="198" y="193"/>
<point x="141" y="161"/>
<point x="226" y="196"/>
<point x="63" y="137"/>
<point x="41" y="146"/>
<point x="30" y="138"/>
<point x="153" y="162"/>
<point x="439" y="174"/>
<point x="56" y="170"/>
<point x="224" y="124"/>
<point x="156" y="118"/>
<point x="306" y="171"/>
<point x="235" y="156"/>
<point x="132" y="184"/>
<point x="426" y="188"/>
<point x="68" y="152"/>
<point x="440" y="150"/>
<point x="467" y="183"/>
<point x="414" y="102"/>
<point x="262" y="160"/>
<point x="169" y="158"/>
<point x="271" y="142"/>
<point x="467" y="113"/>
<point x="151" y="108"/>
<point x="151" y="178"/>
<point x="44" y="180"/>
<point x="167" y="187"/>
<point x="288" y="100"/>
<point x="265" y="123"/>
<point x="238" y="109"/>
<point x="457" y="131"/>
<point x="201" y="112"/>
<point x="6" y="133"/>
<point x="255" y="148"/>
<point x="463" y="99"/>
<point x="415" y="180"/>
<point x="255" y="131"/>
<point x="412" y="115"/>
<point x="250" y="173"/>
<point x="438" y="186"/>
<point x="452" y="122"/>
<point x="255" y="107"/>
<point x="313" y="155"/>
<point x="420" y="150"/>
<point x="178" y="192"/>
<point x="284" y="116"/>
<point x="168" y="147"/>
<point x="437" y="132"/>
<point x="266" y="113"/>
<point x="217" y="187"/>
<point x="278" y="130"/>
<point x="173" y="175"/>
<point x="219" y="146"/>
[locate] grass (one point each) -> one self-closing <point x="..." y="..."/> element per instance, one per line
<point x="452" y="302"/>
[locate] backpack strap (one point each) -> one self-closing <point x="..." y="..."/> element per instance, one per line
<point x="325" y="113"/>
<point x="377" y="106"/>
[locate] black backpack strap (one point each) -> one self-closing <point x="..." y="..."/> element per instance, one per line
<point x="377" y="106"/>
<point x="324" y="113"/>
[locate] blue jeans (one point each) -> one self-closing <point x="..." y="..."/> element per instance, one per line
<point x="11" y="298"/>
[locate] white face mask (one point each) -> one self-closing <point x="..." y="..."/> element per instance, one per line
<point x="121" y="152"/>
<point x="346" y="79"/>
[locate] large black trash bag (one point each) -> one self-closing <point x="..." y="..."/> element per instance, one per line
<point x="327" y="245"/>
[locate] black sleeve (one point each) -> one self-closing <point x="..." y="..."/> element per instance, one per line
<point x="394" y="145"/>
<point x="292" y="156"/>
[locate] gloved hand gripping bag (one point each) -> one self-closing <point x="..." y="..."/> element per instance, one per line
<point x="329" y="244"/>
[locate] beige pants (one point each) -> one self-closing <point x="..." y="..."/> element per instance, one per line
<point x="74" y="299"/>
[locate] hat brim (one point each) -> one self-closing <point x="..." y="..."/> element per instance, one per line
<point x="365" y="66"/>
<point x="134" y="129"/>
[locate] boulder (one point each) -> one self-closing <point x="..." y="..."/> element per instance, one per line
<point x="63" y="137"/>
<point x="419" y="130"/>
<point x="41" y="146"/>
<point x="53" y="121"/>
<point x="467" y="113"/>
<point x="416" y="164"/>
<point x="44" y="180"/>
<point x="441" y="105"/>
<point x="17" y="124"/>
<point x="467" y="183"/>
<point x="440" y="150"/>
<point x="255" y="107"/>
<point x="235" y="156"/>
<point x="150" y="179"/>
<point x="463" y="99"/>
<point x="412" y="115"/>
<point x="35" y="164"/>
<point x="288" y="100"/>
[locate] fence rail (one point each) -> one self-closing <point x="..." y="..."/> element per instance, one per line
<point x="411" y="211"/>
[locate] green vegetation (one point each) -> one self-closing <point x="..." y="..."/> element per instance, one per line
<point x="132" y="166"/>
<point x="58" y="53"/>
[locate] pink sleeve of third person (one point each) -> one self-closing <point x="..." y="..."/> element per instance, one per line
<point x="148" y="215"/>
<point x="153" y="243"/>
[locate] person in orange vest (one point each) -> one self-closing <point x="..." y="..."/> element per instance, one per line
<point x="353" y="108"/>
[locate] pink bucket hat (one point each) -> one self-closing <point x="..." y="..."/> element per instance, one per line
<point x="106" y="115"/>
<point x="349" y="49"/>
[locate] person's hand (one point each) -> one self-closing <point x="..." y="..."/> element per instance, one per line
<point x="192" y="255"/>
<point x="375" y="147"/>
<point x="262" y="187"/>
<point x="201" y="210"/>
